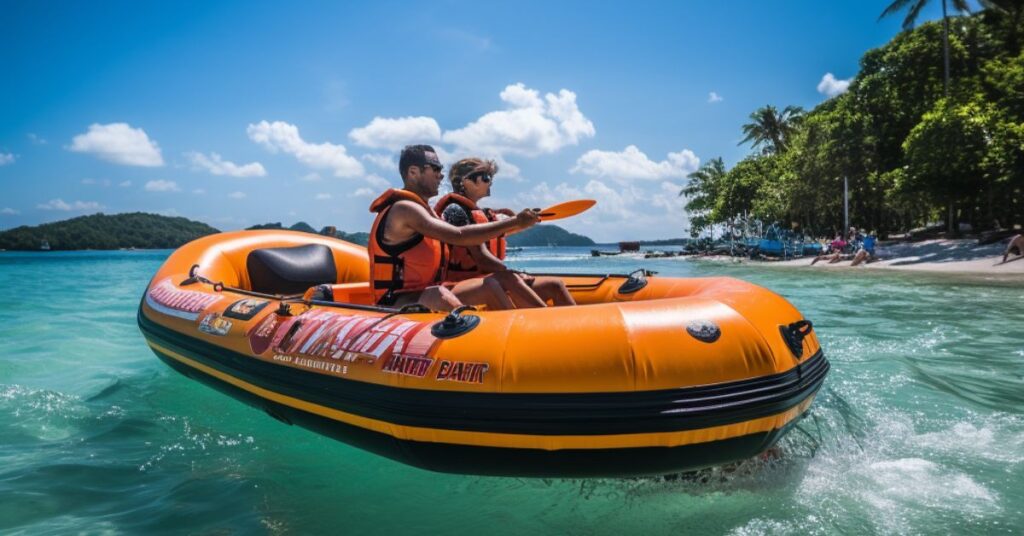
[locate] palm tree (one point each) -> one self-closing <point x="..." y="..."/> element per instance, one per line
<point x="771" y="129"/>
<point x="702" y="192"/>
<point x="914" y="8"/>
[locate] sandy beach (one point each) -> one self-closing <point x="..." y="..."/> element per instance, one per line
<point x="940" y="255"/>
<point x="953" y="256"/>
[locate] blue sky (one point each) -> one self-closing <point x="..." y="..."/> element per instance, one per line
<point x="243" y="113"/>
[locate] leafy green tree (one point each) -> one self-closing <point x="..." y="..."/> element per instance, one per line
<point x="945" y="153"/>
<point x="914" y="8"/>
<point x="1007" y="17"/>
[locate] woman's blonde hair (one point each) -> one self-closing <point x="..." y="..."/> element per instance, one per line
<point x="467" y="167"/>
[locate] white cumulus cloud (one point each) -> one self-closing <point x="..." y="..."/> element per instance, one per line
<point x="831" y="87"/>
<point x="714" y="97"/>
<point x="395" y="133"/>
<point x="60" y="204"/>
<point x="382" y="161"/>
<point x="632" y="164"/>
<point x="323" y="196"/>
<point x="6" y="158"/>
<point x="119" y="143"/>
<point x="199" y="191"/>
<point x="237" y="195"/>
<point x="530" y="126"/>
<point x="218" y="166"/>
<point x="162" y="186"/>
<point x="310" y="177"/>
<point x="124" y="184"/>
<point x="281" y="136"/>
<point x="363" y="192"/>
<point x="378" y="182"/>
<point x="631" y="211"/>
<point x="7" y="211"/>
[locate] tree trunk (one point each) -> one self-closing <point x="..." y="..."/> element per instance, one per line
<point x="951" y="218"/>
<point x="945" y="49"/>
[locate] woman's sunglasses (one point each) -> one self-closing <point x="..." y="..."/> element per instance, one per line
<point x="486" y="178"/>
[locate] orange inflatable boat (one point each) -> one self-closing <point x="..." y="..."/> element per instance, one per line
<point x="647" y="375"/>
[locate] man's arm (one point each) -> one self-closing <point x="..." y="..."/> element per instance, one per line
<point x="485" y="260"/>
<point x="407" y="215"/>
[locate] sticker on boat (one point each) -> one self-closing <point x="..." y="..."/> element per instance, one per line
<point x="215" y="324"/>
<point x="245" y="309"/>
<point x="166" y="298"/>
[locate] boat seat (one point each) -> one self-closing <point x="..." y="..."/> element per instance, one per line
<point x="290" y="270"/>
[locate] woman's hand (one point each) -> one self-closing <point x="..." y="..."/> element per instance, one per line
<point x="527" y="218"/>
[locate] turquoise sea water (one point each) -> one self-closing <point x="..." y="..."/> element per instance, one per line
<point x="919" y="428"/>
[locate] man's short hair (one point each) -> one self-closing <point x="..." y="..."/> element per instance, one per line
<point x="417" y="155"/>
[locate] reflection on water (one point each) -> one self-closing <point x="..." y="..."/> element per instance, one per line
<point x="920" y="427"/>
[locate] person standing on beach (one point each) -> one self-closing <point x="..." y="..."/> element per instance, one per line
<point x="409" y="243"/>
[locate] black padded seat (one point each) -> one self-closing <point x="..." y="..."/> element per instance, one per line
<point x="290" y="270"/>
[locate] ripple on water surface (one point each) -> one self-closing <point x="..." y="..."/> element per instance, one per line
<point x="919" y="427"/>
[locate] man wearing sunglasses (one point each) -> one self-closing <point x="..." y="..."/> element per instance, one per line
<point x="408" y="246"/>
<point x="471" y="180"/>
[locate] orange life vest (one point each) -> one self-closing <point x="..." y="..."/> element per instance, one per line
<point x="460" y="263"/>
<point x="411" y="266"/>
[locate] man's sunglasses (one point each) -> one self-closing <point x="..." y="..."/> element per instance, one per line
<point x="435" y="167"/>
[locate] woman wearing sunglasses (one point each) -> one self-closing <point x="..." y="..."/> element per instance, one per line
<point x="471" y="180"/>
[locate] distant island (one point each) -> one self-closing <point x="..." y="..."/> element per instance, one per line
<point x="303" y="227"/>
<point x="540" y="235"/>
<point x="548" y="235"/>
<point x="140" y="230"/>
<point x="100" y="231"/>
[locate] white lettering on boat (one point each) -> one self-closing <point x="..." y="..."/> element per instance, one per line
<point x="402" y="346"/>
<point x="165" y="297"/>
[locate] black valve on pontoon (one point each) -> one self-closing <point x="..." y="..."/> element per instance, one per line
<point x="454" y="324"/>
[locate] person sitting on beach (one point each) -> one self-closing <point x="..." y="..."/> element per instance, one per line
<point x="835" y="250"/>
<point x="1016" y="245"/>
<point x="408" y="242"/>
<point x="866" y="252"/>
<point x="471" y="180"/>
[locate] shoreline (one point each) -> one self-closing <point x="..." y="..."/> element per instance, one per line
<point x="950" y="256"/>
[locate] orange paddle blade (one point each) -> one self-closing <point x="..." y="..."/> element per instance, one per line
<point x="564" y="210"/>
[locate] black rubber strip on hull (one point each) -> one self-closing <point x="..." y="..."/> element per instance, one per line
<point x="673" y="410"/>
<point x="499" y="461"/>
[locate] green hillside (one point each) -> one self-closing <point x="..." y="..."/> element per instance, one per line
<point x="548" y="235"/>
<point x="360" y="238"/>
<point x="101" y="231"/>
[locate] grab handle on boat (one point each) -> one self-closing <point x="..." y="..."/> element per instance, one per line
<point x="794" y="335"/>
<point x="193" y="277"/>
<point x="637" y="280"/>
<point x="454" y="325"/>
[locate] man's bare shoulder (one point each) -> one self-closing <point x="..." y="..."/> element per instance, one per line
<point x="406" y="208"/>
